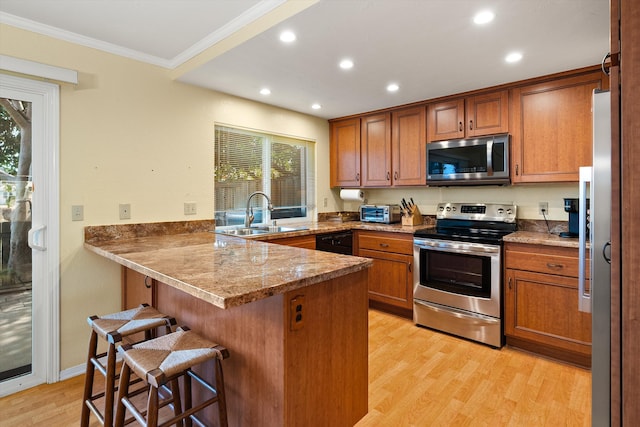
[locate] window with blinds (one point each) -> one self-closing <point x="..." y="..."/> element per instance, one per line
<point x="247" y="161"/>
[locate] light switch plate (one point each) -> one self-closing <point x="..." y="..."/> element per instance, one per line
<point x="125" y="211"/>
<point x="190" y="208"/>
<point x="77" y="213"/>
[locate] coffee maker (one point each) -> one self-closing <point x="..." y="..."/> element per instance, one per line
<point x="571" y="206"/>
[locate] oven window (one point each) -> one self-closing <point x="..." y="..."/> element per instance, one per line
<point x="456" y="273"/>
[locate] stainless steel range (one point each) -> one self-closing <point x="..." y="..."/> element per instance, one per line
<point x="458" y="274"/>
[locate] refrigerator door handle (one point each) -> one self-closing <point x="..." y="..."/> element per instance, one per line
<point x="607" y="257"/>
<point x="584" y="292"/>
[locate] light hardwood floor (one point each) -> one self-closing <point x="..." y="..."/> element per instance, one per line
<point x="417" y="377"/>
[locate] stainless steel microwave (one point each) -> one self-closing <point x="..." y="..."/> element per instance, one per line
<point x="477" y="161"/>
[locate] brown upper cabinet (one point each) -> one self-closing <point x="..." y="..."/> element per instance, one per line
<point x="408" y="139"/>
<point x="552" y="128"/>
<point x="345" y="153"/>
<point x="478" y="115"/>
<point x="379" y="150"/>
<point x="375" y="137"/>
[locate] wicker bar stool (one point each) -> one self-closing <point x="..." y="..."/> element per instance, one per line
<point x="163" y="361"/>
<point x="114" y="328"/>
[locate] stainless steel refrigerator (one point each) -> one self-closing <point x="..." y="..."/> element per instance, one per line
<point x="595" y="242"/>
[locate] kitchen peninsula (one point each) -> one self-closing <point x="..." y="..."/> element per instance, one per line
<point x="294" y="320"/>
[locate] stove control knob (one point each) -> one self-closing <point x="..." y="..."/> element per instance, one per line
<point x="454" y="208"/>
<point x="448" y="208"/>
<point x="441" y="208"/>
<point x="509" y="211"/>
<point x="500" y="211"/>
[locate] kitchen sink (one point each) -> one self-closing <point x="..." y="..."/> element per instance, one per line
<point x="257" y="230"/>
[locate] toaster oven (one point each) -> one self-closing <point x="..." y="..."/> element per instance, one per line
<point x="386" y="214"/>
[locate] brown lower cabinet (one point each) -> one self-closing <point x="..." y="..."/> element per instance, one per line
<point x="391" y="276"/>
<point x="541" y="303"/>
<point x="137" y="289"/>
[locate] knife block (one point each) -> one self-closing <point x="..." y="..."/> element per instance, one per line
<point x="414" y="218"/>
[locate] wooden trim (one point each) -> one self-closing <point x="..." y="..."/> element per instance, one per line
<point x="582" y="360"/>
<point x="616" y="216"/>
<point x="630" y="214"/>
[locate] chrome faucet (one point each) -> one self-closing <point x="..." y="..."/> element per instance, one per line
<point x="248" y="217"/>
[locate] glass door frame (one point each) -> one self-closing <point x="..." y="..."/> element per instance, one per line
<point x="45" y="99"/>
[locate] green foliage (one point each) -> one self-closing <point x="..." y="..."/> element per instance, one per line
<point x="9" y="143"/>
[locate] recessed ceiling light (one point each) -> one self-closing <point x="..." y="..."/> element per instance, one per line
<point x="483" y="17"/>
<point x="287" y="36"/>
<point x="513" y="57"/>
<point x="316" y="106"/>
<point x="346" y="64"/>
<point x="392" y="87"/>
<point x="265" y="91"/>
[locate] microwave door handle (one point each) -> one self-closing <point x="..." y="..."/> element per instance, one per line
<point x="490" y="158"/>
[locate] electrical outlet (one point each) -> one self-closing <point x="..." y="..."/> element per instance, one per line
<point x="125" y="211"/>
<point x="543" y="208"/>
<point x="77" y="213"/>
<point x="325" y="202"/>
<point x="296" y="308"/>
<point x="190" y="208"/>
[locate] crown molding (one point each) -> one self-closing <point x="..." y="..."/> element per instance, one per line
<point x="223" y="32"/>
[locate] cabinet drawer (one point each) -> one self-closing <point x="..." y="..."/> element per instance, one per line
<point x="543" y="259"/>
<point x="387" y="242"/>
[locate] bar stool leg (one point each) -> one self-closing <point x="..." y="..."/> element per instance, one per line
<point x="152" y="413"/>
<point x="222" y="402"/>
<point x="110" y="385"/>
<point x="88" y="382"/>
<point x="187" y="398"/>
<point x="123" y="392"/>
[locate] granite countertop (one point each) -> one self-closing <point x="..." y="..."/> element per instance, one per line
<point x="225" y="271"/>
<point x="541" y="238"/>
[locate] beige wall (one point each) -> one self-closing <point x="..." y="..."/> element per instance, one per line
<point x="128" y="134"/>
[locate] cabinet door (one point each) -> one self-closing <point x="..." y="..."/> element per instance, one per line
<point x="487" y="114"/>
<point x="376" y="150"/>
<point x="408" y="139"/>
<point x="552" y="129"/>
<point x="390" y="278"/>
<point x="345" y="153"/>
<point x="137" y="289"/>
<point x="445" y="120"/>
<point x="543" y="308"/>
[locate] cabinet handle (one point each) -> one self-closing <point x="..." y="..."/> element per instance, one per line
<point x="517" y="168"/>
<point x="395" y="175"/>
<point x="409" y="268"/>
<point x="358" y="176"/>
<point x="460" y="126"/>
<point x="555" y="266"/>
<point x="147" y="284"/>
<point x="510" y="283"/>
<point x="388" y="176"/>
<point x="384" y="245"/>
<point x="470" y="124"/>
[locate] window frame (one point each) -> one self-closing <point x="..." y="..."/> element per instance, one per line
<point x="259" y="203"/>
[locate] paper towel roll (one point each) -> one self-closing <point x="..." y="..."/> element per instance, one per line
<point x="352" y="195"/>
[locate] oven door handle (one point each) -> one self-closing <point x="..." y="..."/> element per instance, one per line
<point x="483" y="250"/>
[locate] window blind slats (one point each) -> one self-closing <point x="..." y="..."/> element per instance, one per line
<point x="248" y="161"/>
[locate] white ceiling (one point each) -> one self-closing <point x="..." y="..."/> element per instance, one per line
<point x="430" y="48"/>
